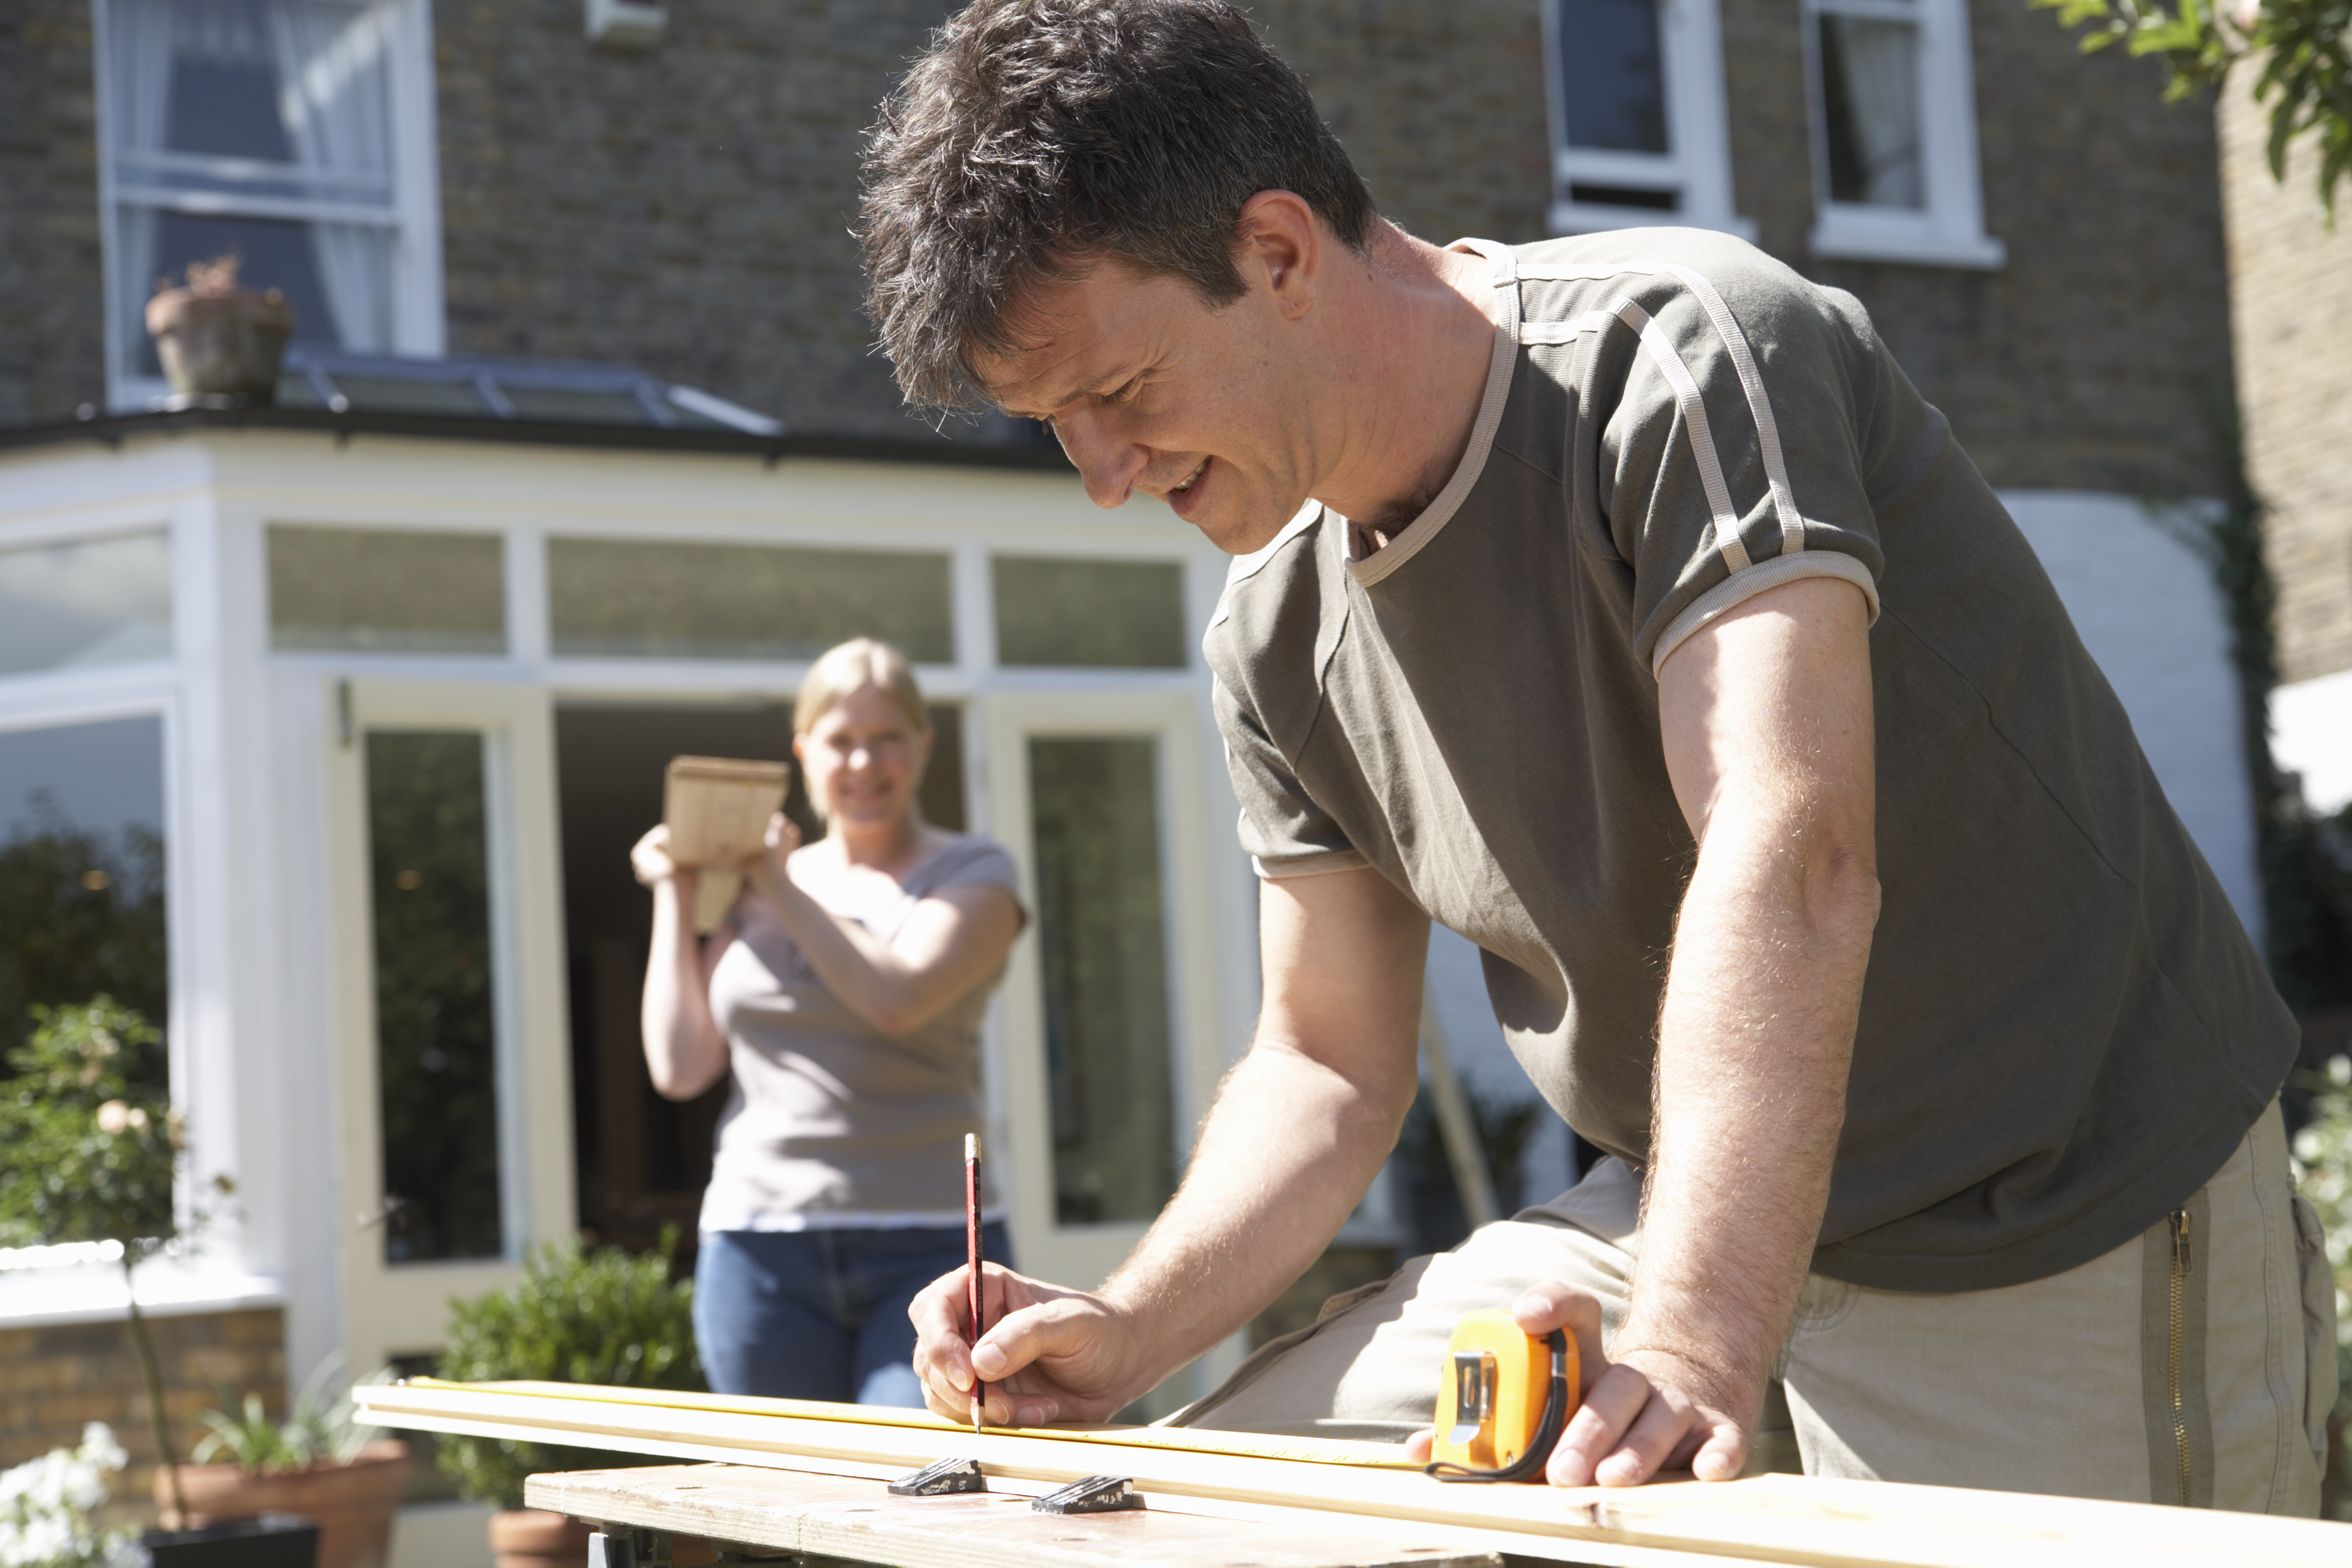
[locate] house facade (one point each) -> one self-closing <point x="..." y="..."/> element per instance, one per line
<point x="595" y="454"/>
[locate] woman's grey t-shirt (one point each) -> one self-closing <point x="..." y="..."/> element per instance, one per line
<point x="2064" y="1030"/>
<point x="832" y="1124"/>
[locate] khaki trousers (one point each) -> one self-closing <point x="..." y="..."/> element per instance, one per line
<point x="2069" y="1386"/>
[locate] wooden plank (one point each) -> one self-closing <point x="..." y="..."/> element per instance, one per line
<point x="1780" y="1518"/>
<point x="859" y="1520"/>
<point x="717" y="810"/>
<point x="1264" y="1446"/>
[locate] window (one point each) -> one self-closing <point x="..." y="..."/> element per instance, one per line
<point x="637" y="599"/>
<point x="1637" y="120"/>
<point x="1894" y="133"/>
<point x="436" y="1029"/>
<point x="1106" y="614"/>
<point x="86" y="602"/>
<point x="1095" y="805"/>
<point x="297" y="133"/>
<point x="81" y="872"/>
<point x="385" y="592"/>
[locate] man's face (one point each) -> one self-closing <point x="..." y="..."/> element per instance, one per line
<point x="1150" y="390"/>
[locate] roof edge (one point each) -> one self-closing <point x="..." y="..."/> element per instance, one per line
<point x="114" y="428"/>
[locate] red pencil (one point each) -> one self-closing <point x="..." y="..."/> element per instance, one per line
<point x="971" y="1289"/>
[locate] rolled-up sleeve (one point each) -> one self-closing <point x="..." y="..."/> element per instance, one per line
<point x="1284" y="832"/>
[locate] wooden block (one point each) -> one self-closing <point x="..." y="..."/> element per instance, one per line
<point x="858" y="1519"/>
<point x="717" y="810"/>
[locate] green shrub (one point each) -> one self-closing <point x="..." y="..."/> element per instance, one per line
<point x="2323" y="1169"/>
<point x="574" y="1317"/>
<point x="86" y="1153"/>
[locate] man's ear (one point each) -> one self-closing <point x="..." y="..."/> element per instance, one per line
<point x="1281" y="248"/>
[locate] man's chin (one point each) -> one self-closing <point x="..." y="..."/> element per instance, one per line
<point x="1240" y="535"/>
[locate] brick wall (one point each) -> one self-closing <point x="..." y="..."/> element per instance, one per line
<point x="53" y="1380"/>
<point x="2098" y="358"/>
<point x="52" y="322"/>
<point x="688" y="209"/>
<point x="2293" y="305"/>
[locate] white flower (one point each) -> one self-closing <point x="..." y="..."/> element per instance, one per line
<point x="113" y="1117"/>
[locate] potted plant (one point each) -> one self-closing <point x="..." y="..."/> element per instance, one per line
<point x="215" y="339"/>
<point x="575" y="1316"/>
<point x="90" y="1152"/>
<point x="318" y="1465"/>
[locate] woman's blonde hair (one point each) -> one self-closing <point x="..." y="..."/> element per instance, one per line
<point x="851" y="666"/>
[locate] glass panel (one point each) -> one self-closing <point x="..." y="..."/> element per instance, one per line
<point x="1625" y="196"/>
<point x="636" y="599"/>
<point x="437" y="1041"/>
<point x="1870" y="111"/>
<point x="81" y="872"/>
<point x="570" y="406"/>
<point x="223" y="91"/>
<point x="386" y="591"/>
<point x="1093" y="804"/>
<point x="1612" y="76"/>
<point x="93" y="601"/>
<point x="1117" y="614"/>
<point x="408" y="394"/>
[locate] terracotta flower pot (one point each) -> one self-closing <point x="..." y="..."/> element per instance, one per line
<point x="216" y="338"/>
<point x="353" y="1503"/>
<point x="534" y="1538"/>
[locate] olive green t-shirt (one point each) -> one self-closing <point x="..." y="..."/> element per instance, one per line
<point x="2064" y="1030"/>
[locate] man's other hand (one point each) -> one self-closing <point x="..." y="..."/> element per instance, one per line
<point x="1647" y="1412"/>
<point x="1049" y="1354"/>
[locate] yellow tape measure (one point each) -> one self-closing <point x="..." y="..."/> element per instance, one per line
<point x="1503" y="1399"/>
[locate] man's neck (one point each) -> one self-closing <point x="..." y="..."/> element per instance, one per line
<point x="1417" y="336"/>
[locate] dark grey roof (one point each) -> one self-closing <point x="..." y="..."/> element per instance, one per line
<point x="539" y="402"/>
<point x="555" y="390"/>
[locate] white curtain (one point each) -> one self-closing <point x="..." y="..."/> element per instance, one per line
<point x="1882" y="92"/>
<point x="139" y="47"/>
<point x="335" y="96"/>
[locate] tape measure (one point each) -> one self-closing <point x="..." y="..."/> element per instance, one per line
<point x="1503" y="1398"/>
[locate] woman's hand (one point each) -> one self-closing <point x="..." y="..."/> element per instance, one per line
<point x="650" y="859"/>
<point x="767" y="868"/>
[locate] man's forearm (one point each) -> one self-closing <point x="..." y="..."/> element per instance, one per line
<point x="1283" y="1158"/>
<point x="1756" y="1039"/>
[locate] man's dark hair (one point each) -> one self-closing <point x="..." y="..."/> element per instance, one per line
<point x="1036" y="137"/>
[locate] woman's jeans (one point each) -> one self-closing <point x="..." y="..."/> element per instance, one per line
<point x="820" y="1315"/>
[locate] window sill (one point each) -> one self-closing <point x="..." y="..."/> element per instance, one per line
<point x="1587" y="217"/>
<point x="45" y="1295"/>
<point x="1840" y="236"/>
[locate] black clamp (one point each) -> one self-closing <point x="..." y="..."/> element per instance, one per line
<point x="941" y="1477"/>
<point x="1095" y="1494"/>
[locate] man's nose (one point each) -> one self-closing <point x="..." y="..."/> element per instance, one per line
<point x="1107" y="461"/>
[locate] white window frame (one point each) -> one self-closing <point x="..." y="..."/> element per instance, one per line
<point x="418" y="322"/>
<point x="1949" y="230"/>
<point x="1697" y="169"/>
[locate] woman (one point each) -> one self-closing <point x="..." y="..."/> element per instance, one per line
<point x="845" y="990"/>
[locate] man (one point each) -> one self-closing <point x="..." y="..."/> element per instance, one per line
<point x="1617" y="603"/>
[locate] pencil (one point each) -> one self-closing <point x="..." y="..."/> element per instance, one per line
<point x="972" y="1289"/>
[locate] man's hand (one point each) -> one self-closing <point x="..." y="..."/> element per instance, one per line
<point x="1644" y="1414"/>
<point x="1049" y="1354"/>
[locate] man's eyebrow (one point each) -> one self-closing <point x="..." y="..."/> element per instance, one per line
<point x="1099" y="386"/>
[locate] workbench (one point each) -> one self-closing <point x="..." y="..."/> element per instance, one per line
<point x="790" y="1517"/>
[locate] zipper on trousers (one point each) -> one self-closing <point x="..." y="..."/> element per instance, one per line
<point x="2183" y="1265"/>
